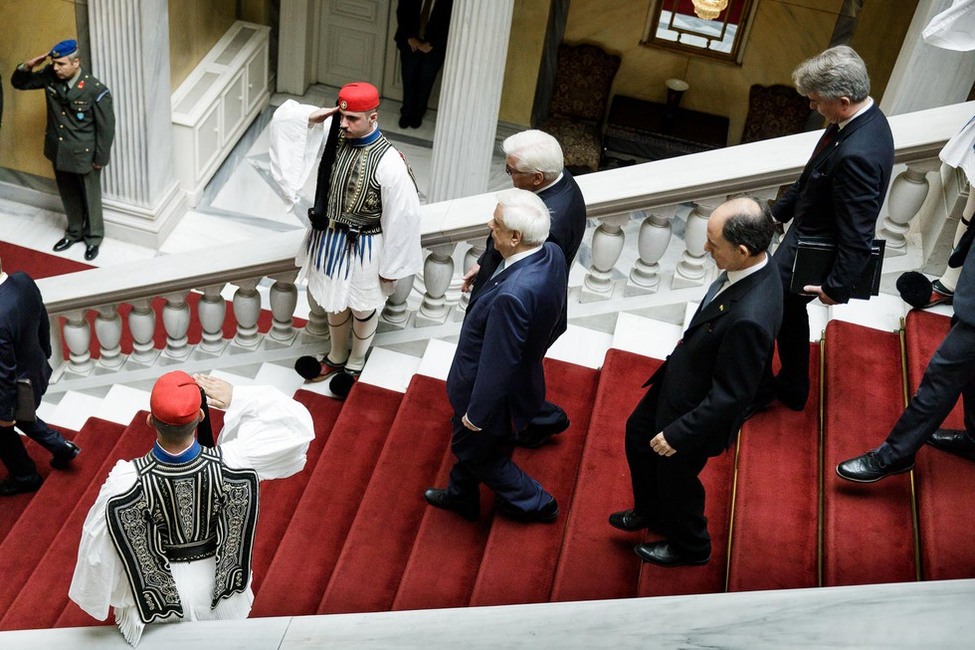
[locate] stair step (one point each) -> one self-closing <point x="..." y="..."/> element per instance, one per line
<point x="774" y="539"/>
<point x="372" y="562"/>
<point x="280" y="498"/>
<point x="945" y="490"/>
<point x="311" y="545"/>
<point x="868" y="530"/>
<point x="602" y="487"/>
<point x="14" y="506"/>
<point x="37" y="558"/>
<point x="507" y="578"/>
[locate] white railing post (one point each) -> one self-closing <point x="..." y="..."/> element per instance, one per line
<point x="691" y="270"/>
<point x="470" y="258"/>
<point x="655" y="233"/>
<point x="284" y="300"/>
<point x="212" y="311"/>
<point x="77" y="336"/>
<point x="395" y="312"/>
<point x="317" y="324"/>
<point x="142" y="325"/>
<point x="908" y="191"/>
<point x="247" y="309"/>
<point x="438" y="269"/>
<point x="176" y="320"/>
<point x="607" y="245"/>
<point x="108" y="333"/>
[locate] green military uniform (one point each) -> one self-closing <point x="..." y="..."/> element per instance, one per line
<point x="80" y="130"/>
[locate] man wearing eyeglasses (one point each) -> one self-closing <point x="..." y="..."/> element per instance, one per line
<point x="533" y="160"/>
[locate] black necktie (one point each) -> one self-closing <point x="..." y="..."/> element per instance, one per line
<point x="424" y="19"/>
<point x="714" y="288"/>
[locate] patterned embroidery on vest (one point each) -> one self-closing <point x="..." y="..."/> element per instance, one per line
<point x="354" y="209"/>
<point x="183" y="513"/>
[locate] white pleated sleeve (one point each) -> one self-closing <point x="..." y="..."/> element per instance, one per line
<point x="400" y="220"/>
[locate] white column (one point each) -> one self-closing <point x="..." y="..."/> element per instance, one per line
<point x="142" y="325"/>
<point x="467" y="116"/>
<point x="283" y="298"/>
<point x="77" y="335"/>
<point x="925" y="76"/>
<point x="296" y="45"/>
<point x="108" y="333"/>
<point x="212" y="310"/>
<point x="438" y="269"/>
<point x="176" y="321"/>
<point x="247" y="309"/>
<point x="394" y="313"/>
<point x="130" y="54"/>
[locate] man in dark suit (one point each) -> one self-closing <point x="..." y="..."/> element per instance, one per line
<point x="703" y="392"/>
<point x="496" y="382"/>
<point x="951" y="372"/>
<point x="838" y="195"/>
<point x="25" y="346"/>
<point x="533" y="160"/>
<point x="78" y="140"/>
<point x="421" y="37"/>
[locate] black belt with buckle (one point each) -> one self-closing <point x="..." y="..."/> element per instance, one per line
<point x="191" y="552"/>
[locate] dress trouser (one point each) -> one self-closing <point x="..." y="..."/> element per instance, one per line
<point x="485" y="457"/>
<point x="81" y="195"/>
<point x="793" y="342"/>
<point x="419" y="74"/>
<point x="15" y="456"/>
<point x="666" y="489"/>
<point x="950" y="372"/>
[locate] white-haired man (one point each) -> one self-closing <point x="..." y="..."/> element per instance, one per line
<point x="534" y="161"/>
<point x="496" y="382"/>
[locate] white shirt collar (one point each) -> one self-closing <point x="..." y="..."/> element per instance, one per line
<point x="741" y="274"/>
<point x="863" y="109"/>
<point x="517" y="257"/>
<point x="545" y="187"/>
<point x="3" y="277"/>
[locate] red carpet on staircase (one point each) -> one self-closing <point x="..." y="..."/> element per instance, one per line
<point x="776" y="516"/>
<point x="868" y="529"/>
<point x="310" y="547"/>
<point x="945" y="489"/>
<point x="37" y="264"/>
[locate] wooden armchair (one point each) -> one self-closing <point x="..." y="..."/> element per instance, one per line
<point x="583" y="79"/>
<point x="774" y="111"/>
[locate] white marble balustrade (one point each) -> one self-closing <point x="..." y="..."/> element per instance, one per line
<point x="649" y="192"/>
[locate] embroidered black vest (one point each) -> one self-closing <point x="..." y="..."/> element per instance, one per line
<point x="180" y="513"/>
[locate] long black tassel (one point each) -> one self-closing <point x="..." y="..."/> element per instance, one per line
<point x="316" y="214"/>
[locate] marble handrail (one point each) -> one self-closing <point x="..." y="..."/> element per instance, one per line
<point x="740" y="168"/>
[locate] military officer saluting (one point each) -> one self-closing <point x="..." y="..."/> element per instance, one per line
<point x="80" y="130"/>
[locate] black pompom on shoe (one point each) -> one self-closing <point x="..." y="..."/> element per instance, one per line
<point x="915" y="289"/>
<point x="341" y="384"/>
<point x="308" y="367"/>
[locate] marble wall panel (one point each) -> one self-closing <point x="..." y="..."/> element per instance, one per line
<point x="194" y="28"/>
<point x="528" y="25"/>
<point x="24" y="117"/>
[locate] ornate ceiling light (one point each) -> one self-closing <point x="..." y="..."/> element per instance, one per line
<point x="709" y="9"/>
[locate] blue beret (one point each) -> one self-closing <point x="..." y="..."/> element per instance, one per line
<point x="64" y="48"/>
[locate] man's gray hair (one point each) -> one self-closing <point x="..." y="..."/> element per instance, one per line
<point x="535" y="151"/>
<point x="837" y="72"/>
<point x="525" y="212"/>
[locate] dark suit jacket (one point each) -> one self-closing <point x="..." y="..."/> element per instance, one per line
<point x="80" y="120"/>
<point x="497" y="369"/>
<point x="839" y="195"/>
<point x="709" y="381"/>
<point x="408" y="24"/>
<point x="25" y="341"/>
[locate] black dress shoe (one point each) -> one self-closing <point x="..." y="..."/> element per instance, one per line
<point x="664" y="554"/>
<point x="438" y="498"/>
<point x="794" y="397"/>
<point x="64" y="244"/>
<point x="534" y="436"/>
<point x="630" y="520"/>
<point x="11" y="486"/>
<point x="404" y="123"/>
<point x="868" y="468"/>
<point x="548" y="513"/>
<point x="63" y="456"/>
<point x="91" y="252"/>
<point x="954" y="441"/>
